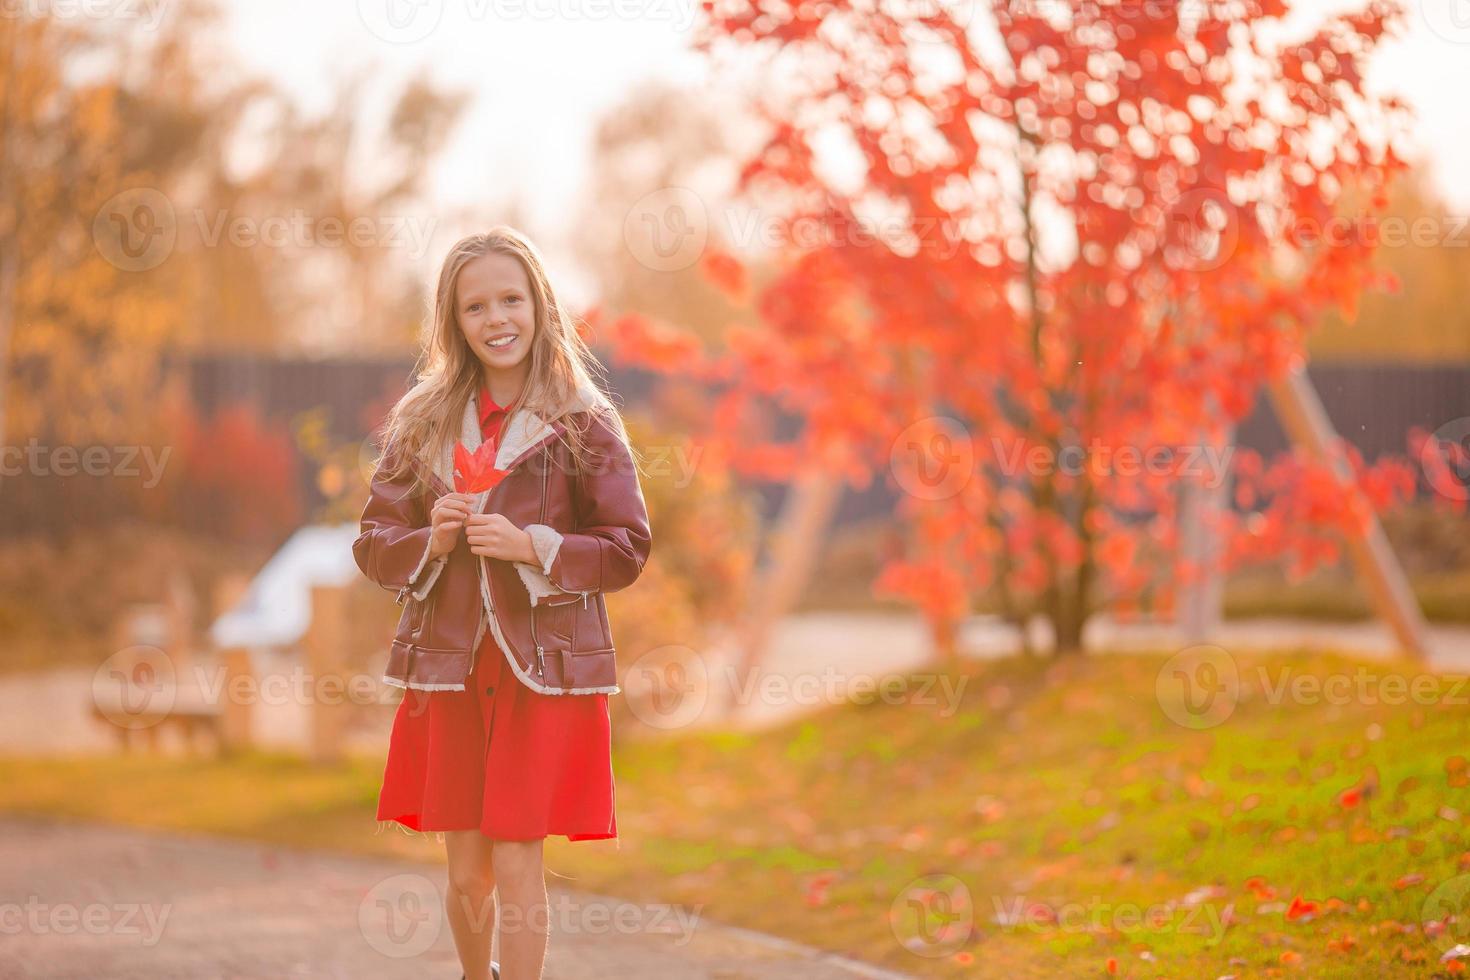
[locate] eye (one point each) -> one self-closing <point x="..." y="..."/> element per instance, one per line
<point x="475" y="306"/>
<point x="512" y="299"/>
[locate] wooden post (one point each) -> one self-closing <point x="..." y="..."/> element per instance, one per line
<point x="236" y="729"/>
<point x="1306" y="424"/>
<point x="237" y="713"/>
<point x="323" y="647"/>
<point x="805" y="514"/>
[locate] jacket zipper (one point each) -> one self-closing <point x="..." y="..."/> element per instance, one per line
<point x="535" y="640"/>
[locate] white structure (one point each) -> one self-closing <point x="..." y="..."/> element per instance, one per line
<point x="270" y="623"/>
<point x="276" y="609"/>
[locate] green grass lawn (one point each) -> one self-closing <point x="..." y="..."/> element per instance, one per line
<point x="1057" y="824"/>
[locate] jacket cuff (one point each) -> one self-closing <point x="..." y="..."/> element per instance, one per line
<point x="547" y="542"/>
<point x="435" y="566"/>
<point x="538" y="585"/>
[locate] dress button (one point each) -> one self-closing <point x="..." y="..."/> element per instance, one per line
<point x="489" y="689"/>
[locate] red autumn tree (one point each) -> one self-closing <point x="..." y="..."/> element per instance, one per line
<point x="1048" y="237"/>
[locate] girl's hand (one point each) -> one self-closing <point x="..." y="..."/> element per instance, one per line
<point x="446" y="519"/>
<point x="494" y="536"/>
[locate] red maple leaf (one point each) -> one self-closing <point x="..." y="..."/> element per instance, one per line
<point x="476" y="472"/>
<point x="1301" y="909"/>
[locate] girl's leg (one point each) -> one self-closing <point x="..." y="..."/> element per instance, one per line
<point x="524" y="914"/>
<point x="469" y="900"/>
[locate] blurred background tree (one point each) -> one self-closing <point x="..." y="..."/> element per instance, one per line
<point x="1426" y="249"/>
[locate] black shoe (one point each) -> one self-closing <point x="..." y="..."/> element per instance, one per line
<point x="494" y="971"/>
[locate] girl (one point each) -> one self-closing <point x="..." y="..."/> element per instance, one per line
<point x="503" y="648"/>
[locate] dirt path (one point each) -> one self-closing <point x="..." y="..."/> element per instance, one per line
<point x="82" y="900"/>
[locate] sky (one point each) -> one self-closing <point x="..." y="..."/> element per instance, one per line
<point x="543" y="71"/>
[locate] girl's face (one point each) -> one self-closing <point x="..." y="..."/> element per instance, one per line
<point x="496" y="314"/>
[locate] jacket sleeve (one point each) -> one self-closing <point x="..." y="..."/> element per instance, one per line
<point x="612" y="541"/>
<point x="392" y="547"/>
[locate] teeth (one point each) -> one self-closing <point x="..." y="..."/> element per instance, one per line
<point x="503" y="342"/>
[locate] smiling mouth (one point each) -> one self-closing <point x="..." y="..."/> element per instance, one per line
<point x="501" y="343"/>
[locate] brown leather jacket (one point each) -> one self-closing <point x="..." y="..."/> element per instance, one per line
<point x="591" y="535"/>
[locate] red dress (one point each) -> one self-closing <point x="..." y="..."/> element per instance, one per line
<point x="498" y="756"/>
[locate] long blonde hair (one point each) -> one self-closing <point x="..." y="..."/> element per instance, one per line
<point x="427" y="418"/>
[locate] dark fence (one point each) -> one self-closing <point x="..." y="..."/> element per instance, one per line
<point x="1373" y="406"/>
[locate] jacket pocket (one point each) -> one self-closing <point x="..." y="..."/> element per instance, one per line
<point x="415" y="610"/>
<point x="410" y="661"/>
<point x="556" y="622"/>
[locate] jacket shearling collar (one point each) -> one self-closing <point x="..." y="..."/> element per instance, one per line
<point x="522" y="432"/>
